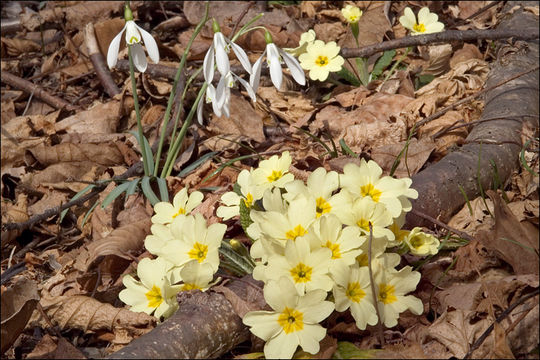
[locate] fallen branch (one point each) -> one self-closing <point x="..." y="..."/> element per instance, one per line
<point x="520" y="33"/>
<point x="40" y="93"/>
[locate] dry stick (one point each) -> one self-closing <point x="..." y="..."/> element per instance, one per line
<point x="29" y="87"/>
<point x="462" y="234"/>
<point x="471" y="97"/>
<point x="98" y="60"/>
<point x="372" y="285"/>
<point x="244" y="12"/>
<point x="500" y="318"/>
<point x="444" y="36"/>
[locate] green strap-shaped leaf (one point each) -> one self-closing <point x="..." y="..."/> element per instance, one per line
<point x="75" y="197"/>
<point x="147" y="191"/>
<point x="116" y="192"/>
<point x="132" y="187"/>
<point x="234" y="260"/>
<point x="163" y="191"/>
<point x="148" y="148"/>
<point x="196" y="163"/>
<point x="382" y="63"/>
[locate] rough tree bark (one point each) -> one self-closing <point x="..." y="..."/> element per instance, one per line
<point x="497" y="140"/>
<point x="206" y="325"/>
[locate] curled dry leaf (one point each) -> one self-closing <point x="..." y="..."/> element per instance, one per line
<point x="17" y="213"/>
<point x="100" y="119"/>
<point x="88" y="314"/>
<point x="51" y="347"/>
<point x="103" y="154"/>
<point x="449" y="139"/>
<point x="411" y="162"/>
<point x="18" y="302"/>
<point x="120" y="242"/>
<point x="290" y="106"/>
<point x="478" y="220"/>
<point x="439" y="59"/>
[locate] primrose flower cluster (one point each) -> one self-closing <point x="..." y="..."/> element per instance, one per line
<point x="187" y="257"/>
<point x="312" y="239"/>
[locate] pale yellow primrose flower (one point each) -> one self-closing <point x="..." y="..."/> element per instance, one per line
<point x="320" y="185"/>
<point x="294" y="320"/>
<point x="357" y="211"/>
<point x="399" y="233"/>
<point x="182" y="205"/>
<point x="193" y="240"/>
<point x="421" y="243"/>
<point x="427" y="21"/>
<point x="134" y="35"/>
<point x="307" y="269"/>
<point x="328" y="232"/>
<point x="273" y="172"/>
<point x="290" y="225"/>
<point x="365" y="180"/>
<point x="250" y="194"/>
<point x="321" y="59"/>
<point x="159" y="237"/>
<point x="351" y="13"/>
<point x="352" y="290"/>
<point x="153" y="293"/>
<point x="391" y="287"/>
<point x="196" y="276"/>
<point x="305" y="39"/>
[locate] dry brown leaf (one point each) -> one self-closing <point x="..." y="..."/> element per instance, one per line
<point x="479" y="219"/>
<point x="439" y="59"/>
<point x="88" y="314"/>
<point x="417" y="154"/>
<point x="468" y="52"/>
<point x="458" y="329"/>
<point x="290" y="106"/>
<point x="17" y="213"/>
<point x="120" y="242"/>
<point x="471" y="260"/>
<point x="243" y="120"/>
<point x="100" y="119"/>
<point x="352" y="97"/>
<point x="103" y="154"/>
<point x="51" y="347"/>
<point x="511" y="240"/>
<point x="18" y="302"/>
<point x="51" y="198"/>
<point x="449" y="139"/>
<point x="16" y="47"/>
<point x="55" y="175"/>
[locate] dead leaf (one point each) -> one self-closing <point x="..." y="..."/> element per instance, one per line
<point x="449" y="139"/>
<point x="17" y="213"/>
<point x="478" y="220"/>
<point x="417" y="154"/>
<point x="16" y="47"/>
<point x="103" y="154"/>
<point x="18" y="302"/>
<point x="243" y="120"/>
<point x="439" y="59"/>
<point x="290" y="106"/>
<point x="88" y="314"/>
<point x="467" y="52"/>
<point x="511" y="241"/>
<point x="51" y="347"/>
<point x="100" y="119"/>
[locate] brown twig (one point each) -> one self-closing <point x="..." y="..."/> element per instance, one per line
<point x="462" y="234"/>
<point x="444" y="36"/>
<point x="471" y="97"/>
<point x="98" y="60"/>
<point x="500" y="318"/>
<point x="40" y="93"/>
<point x="244" y="12"/>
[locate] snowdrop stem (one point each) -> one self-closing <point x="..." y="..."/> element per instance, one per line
<point x="396" y="64"/>
<point x="167" y="115"/>
<point x="372" y="284"/>
<point x="175" y="149"/>
<point x="186" y="87"/>
<point x="244" y="29"/>
<point x="142" y="144"/>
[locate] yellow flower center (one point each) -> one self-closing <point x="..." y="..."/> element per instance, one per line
<point x="362" y="260"/>
<point x="154" y="297"/>
<point x="386" y="294"/>
<point x="187" y="287"/>
<point x="198" y="252"/>
<point x="322" y="60"/>
<point x="369" y="190"/>
<point x="355" y="292"/>
<point x="301" y="273"/>
<point x="363" y="223"/>
<point x="353" y="18"/>
<point x="336" y="254"/>
<point x="420" y="28"/>
<point x="276" y="175"/>
<point x="181" y="211"/>
<point x="322" y="207"/>
<point x="133" y="40"/>
<point x="291" y="320"/>
<point x="296" y="232"/>
<point x="398" y="233"/>
<point x="248" y="201"/>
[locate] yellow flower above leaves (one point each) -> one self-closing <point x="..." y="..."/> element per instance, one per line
<point x="351" y="13"/>
<point x="427" y="21"/>
<point x="321" y="59"/>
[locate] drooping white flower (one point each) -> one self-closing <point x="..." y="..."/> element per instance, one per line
<point x="273" y="59"/>
<point x="134" y="35"/>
